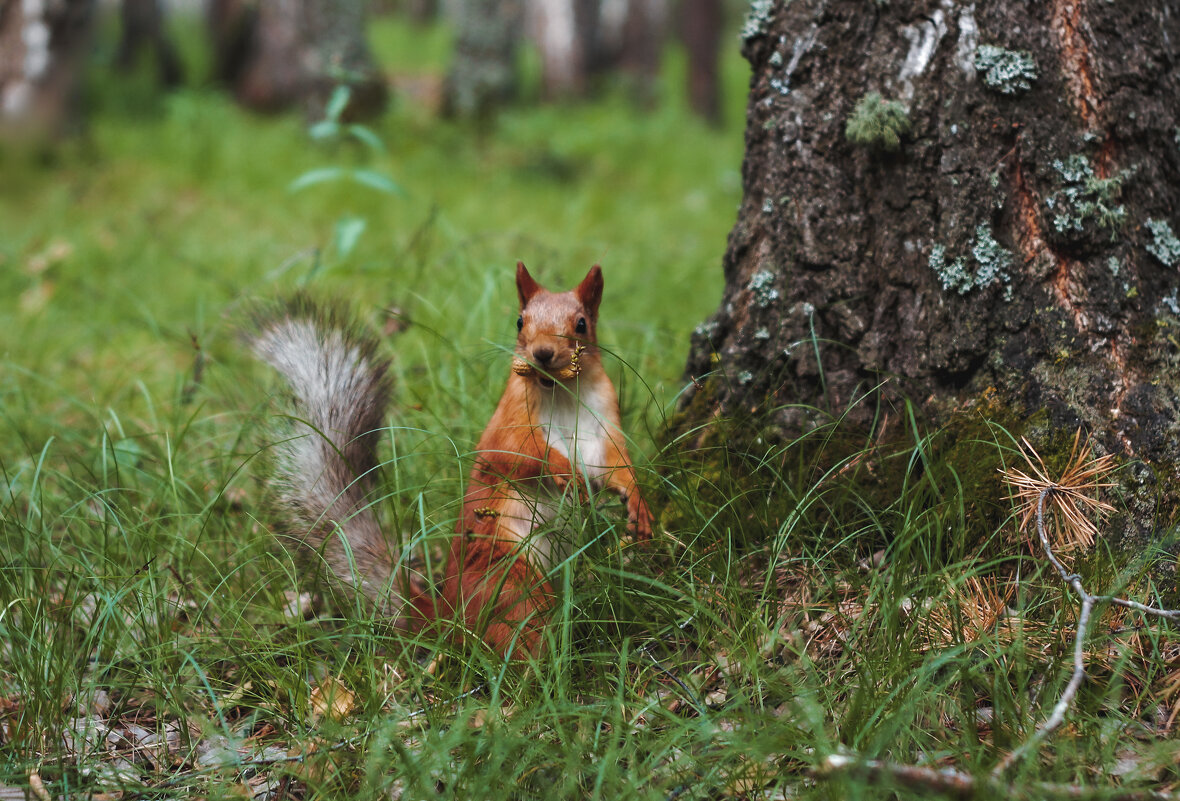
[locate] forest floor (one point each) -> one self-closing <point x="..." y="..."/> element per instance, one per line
<point x="805" y="606"/>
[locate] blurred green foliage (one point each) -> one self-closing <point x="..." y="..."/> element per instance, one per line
<point x="121" y="247"/>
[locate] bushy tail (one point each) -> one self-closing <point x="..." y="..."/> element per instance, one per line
<point x="326" y="455"/>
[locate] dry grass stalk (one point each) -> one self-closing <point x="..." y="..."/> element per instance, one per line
<point x="1170" y="685"/>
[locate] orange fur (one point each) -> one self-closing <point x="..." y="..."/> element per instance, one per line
<point x="492" y="583"/>
<point x="554" y="438"/>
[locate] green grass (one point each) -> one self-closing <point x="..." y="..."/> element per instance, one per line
<point x="142" y="593"/>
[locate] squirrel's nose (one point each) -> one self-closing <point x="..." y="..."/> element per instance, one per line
<point x="543" y="356"/>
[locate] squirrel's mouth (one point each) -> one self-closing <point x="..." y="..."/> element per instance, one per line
<point x="549" y="377"/>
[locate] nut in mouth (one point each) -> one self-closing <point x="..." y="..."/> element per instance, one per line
<point x="548" y="380"/>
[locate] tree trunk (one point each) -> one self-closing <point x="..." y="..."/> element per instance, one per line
<point x="976" y="204"/>
<point x="231" y="29"/>
<point x="420" y="12"/>
<point x="277" y="54"/>
<point x="42" y="47"/>
<point x="483" y="74"/>
<point x="582" y="40"/>
<point x="701" y="25"/>
<point x="558" y="29"/>
<point x="143" y="28"/>
<point x="635" y="44"/>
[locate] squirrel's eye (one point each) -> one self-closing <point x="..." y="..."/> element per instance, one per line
<point x="520" y="323"/>
<point x="581" y="326"/>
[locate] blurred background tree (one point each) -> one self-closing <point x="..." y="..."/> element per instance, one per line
<point x="275" y="55"/>
<point x="43" y="47"/>
<point x="701" y="25"/>
<point x="279" y="54"/>
<point x="581" y="40"/>
<point x="483" y="73"/>
<point x="143" y="29"/>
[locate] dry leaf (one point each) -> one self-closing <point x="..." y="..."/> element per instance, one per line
<point x="36" y="297"/>
<point x="330" y="698"/>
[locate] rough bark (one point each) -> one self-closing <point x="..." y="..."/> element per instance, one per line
<point x="1009" y="241"/>
<point x="279" y="54"/>
<point x="483" y="74"/>
<point x="42" y="47"/>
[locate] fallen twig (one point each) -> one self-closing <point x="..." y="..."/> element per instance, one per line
<point x="1074" y="581"/>
<point x="1072" y="491"/>
<point x="961" y="785"/>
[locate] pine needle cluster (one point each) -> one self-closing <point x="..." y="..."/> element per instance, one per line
<point x="1069" y="497"/>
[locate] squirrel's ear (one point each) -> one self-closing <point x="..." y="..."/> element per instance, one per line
<point x="589" y="292"/>
<point x="526" y="287"/>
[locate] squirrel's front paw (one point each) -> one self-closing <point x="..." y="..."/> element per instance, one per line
<point x="638" y="518"/>
<point x="576" y="486"/>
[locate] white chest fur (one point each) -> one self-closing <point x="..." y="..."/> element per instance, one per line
<point x="578" y="425"/>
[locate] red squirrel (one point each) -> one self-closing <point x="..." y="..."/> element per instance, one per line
<point x="555" y="436"/>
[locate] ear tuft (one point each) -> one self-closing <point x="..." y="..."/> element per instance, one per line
<point x="526" y="287"/>
<point x="589" y="292"/>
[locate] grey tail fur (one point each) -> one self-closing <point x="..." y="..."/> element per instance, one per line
<point x="324" y="460"/>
